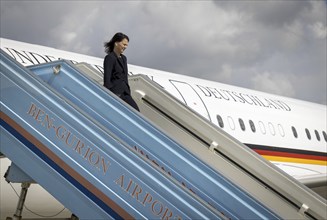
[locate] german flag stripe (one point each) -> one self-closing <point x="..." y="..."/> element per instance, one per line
<point x="290" y="155"/>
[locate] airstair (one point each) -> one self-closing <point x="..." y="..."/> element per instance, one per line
<point x="103" y="160"/>
<point x="223" y="153"/>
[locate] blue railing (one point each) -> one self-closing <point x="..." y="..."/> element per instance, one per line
<point x="68" y="130"/>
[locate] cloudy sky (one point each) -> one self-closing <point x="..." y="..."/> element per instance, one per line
<point x="274" y="46"/>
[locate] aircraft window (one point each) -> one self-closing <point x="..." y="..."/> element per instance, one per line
<point x="281" y="130"/>
<point x="294" y="132"/>
<point x="325" y="135"/>
<point x="252" y="125"/>
<point x="220" y="121"/>
<point x="317" y="135"/>
<point x="231" y="122"/>
<point x="272" y="128"/>
<point x="242" y="125"/>
<point x="262" y="127"/>
<point x="308" y="133"/>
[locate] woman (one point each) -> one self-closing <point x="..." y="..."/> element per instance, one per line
<point x="115" y="68"/>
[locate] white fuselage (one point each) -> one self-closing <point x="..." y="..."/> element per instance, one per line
<point x="288" y="132"/>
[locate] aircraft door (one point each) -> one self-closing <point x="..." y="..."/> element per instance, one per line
<point x="191" y="98"/>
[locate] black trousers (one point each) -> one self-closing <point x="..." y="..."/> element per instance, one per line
<point x="128" y="99"/>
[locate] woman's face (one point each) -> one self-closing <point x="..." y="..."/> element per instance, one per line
<point x="121" y="46"/>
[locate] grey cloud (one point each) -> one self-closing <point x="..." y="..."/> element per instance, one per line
<point x="244" y="43"/>
<point x="269" y="13"/>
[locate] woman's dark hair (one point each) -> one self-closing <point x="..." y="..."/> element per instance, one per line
<point x="118" y="37"/>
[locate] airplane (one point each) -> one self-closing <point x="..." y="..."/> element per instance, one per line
<point x="290" y="133"/>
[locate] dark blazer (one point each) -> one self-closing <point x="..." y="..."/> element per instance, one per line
<point x="115" y="74"/>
